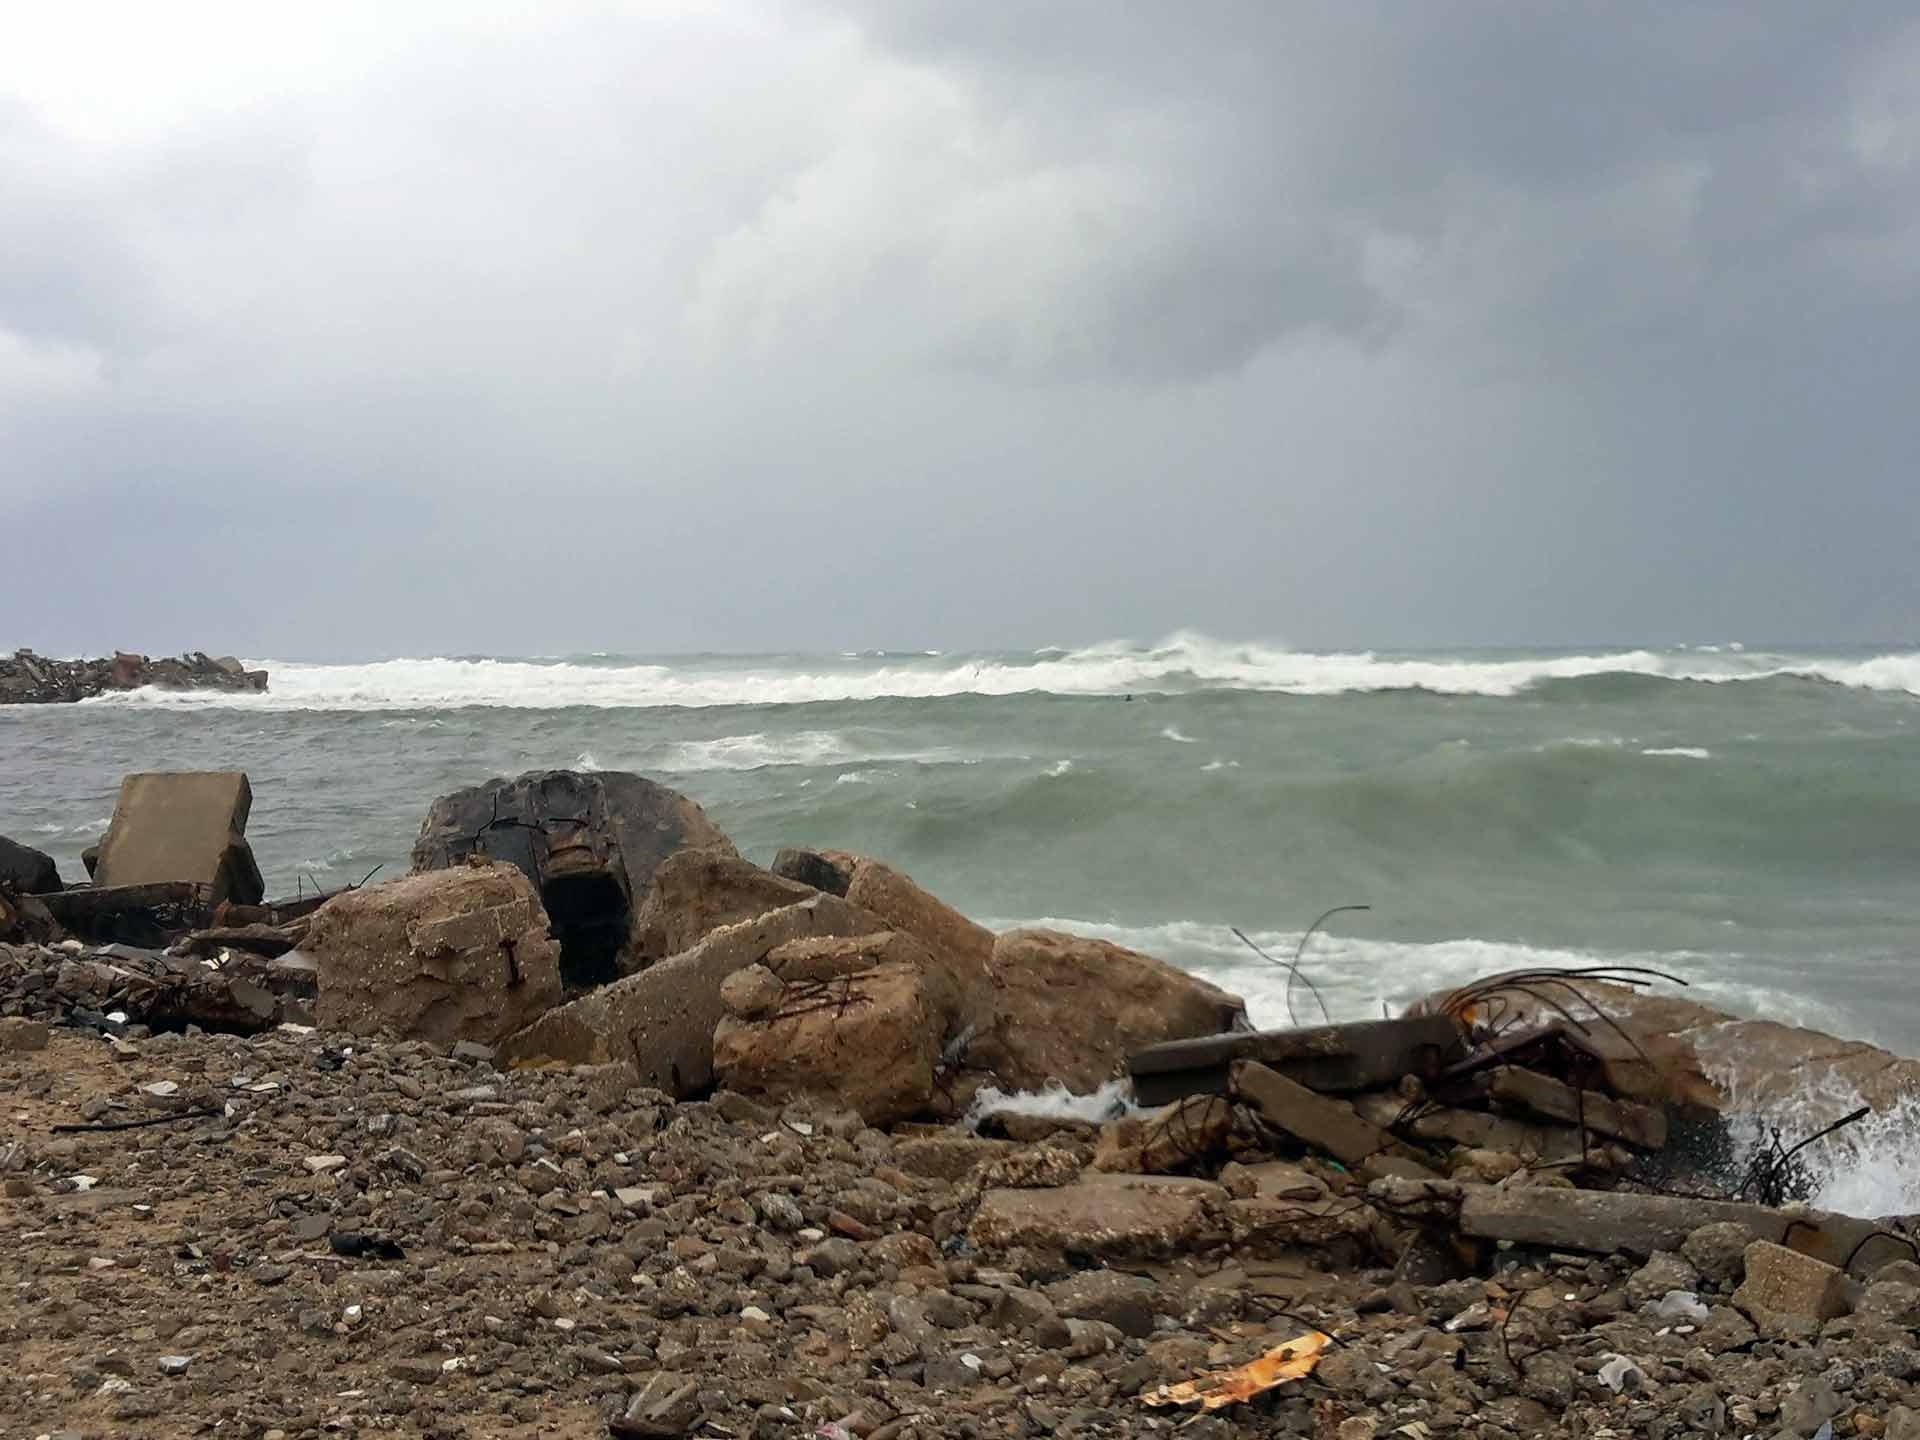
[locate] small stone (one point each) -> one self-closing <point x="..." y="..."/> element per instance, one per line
<point x="472" y="1051"/>
<point x="325" y="1164"/>
<point x="1125" y="1302"/>
<point x="1663" y="1272"/>
<point x="831" y="1257"/>
<point x="666" y="1404"/>
<point x="780" y="1212"/>
<point x="752" y="992"/>
<point x="1719" y="1252"/>
<point x="175" y="1364"/>
<point x="19" y="1035"/>
<point x="309" y="1227"/>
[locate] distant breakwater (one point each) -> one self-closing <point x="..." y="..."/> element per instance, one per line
<point x="30" y="679"/>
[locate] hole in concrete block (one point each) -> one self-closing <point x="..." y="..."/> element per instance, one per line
<point x="588" y="912"/>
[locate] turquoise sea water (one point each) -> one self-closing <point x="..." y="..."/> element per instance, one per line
<point x="1747" y="819"/>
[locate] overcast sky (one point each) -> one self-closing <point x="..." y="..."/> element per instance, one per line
<point x="360" y="329"/>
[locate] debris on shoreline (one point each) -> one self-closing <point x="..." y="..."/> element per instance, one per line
<point x="30" y="679"/>
<point x="591" y="1127"/>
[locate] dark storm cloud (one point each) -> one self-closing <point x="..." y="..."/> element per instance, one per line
<point x="914" y="323"/>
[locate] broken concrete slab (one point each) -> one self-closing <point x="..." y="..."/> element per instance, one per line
<point x="1780" y="1281"/>
<point x="1167" y="1140"/>
<point x="1331" y="1058"/>
<point x="1512" y="1088"/>
<point x="1107" y="1216"/>
<point x="859" y="1020"/>
<point x="1606" y="1221"/>
<point x="1070" y="1009"/>
<point x="448" y="955"/>
<point x="1329" y="1125"/>
<point x="183" y="826"/>
<point x="662" y="1019"/>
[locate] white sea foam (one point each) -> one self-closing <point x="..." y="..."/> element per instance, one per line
<point x="1184" y="661"/>
<point x="1684" y="752"/>
<point x="757" y="751"/>
<point x="1056" y="1102"/>
<point x="1364" y="979"/>
<point x="1059" y="768"/>
<point x="1871" y="1168"/>
<point x="1172" y="732"/>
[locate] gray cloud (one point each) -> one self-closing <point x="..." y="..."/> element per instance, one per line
<point x="903" y="323"/>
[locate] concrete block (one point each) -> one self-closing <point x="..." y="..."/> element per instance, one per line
<point x="1328" y="1125"/>
<point x="183" y="826"/>
<point x="1785" y="1282"/>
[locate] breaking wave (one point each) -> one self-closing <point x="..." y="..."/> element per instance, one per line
<point x="1366" y="979"/>
<point x="1183" y="663"/>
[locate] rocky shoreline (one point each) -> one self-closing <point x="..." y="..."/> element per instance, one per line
<point x="591" y="1127"/>
<point x="30" y="679"/>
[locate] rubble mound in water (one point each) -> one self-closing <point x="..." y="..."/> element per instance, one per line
<point x="30" y="679"/>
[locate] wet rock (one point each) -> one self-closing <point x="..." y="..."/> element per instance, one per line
<point x="1071" y="1010"/>
<point x="30" y="679"/>
<point x="448" y="955"/>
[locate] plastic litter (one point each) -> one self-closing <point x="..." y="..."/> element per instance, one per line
<point x="1292" y="1361"/>
<point x="1681" y="1305"/>
<point x="1622" y="1376"/>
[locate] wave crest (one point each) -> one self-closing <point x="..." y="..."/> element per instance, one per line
<point x="1183" y="663"/>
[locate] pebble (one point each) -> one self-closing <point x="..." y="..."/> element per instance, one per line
<point x="325" y="1164"/>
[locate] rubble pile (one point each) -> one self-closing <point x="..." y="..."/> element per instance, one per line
<point x="388" y="1161"/>
<point x="30" y="679"/>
